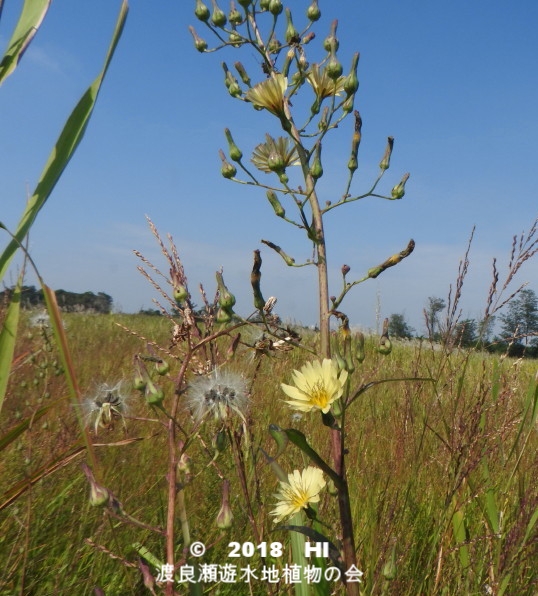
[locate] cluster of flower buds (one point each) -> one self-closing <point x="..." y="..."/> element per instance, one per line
<point x="226" y="301"/>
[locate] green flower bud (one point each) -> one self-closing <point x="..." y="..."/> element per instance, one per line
<point x="264" y="4"/>
<point x="275" y="204"/>
<point x="291" y="33"/>
<point x="334" y="68"/>
<point x="235" y="16"/>
<point x="184" y="464"/>
<point x="218" y="18"/>
<point x="283" y="178"/>
<point x="351" y="82"/>
<point x="316" y="169"/>
<point x="154" y="394"/>
<point x="331" y="488"/>
<point x="180" y="293"/>
<point x="99" y="495"/>
<point x="233" y="150"/>
<point x="355" y="142"/>
<point x="245" y="3"/>
<point x="199" y="43"/>
<point x="220" y="441"/>
<point x="226" y="298"/>
<point x="384" y="164"/>
<point x="275" y="7"/>
<point x="223" y="316"/>
<point x="399" y="190"/>
<point x="313" y="12"/>
<point x="162" y="367"/>
<point x="360" y="354"/>
<point x="235" y="39"/>
<point x="385" y="345"/>
<point x="227" y="169"/>
<point x="274" y="45"/>
<point x="242" y="73"/>
<point x="201" y="11"/>
<point x="337" y="409"/>
<point x="323" y="122"/>
<point x="139" y="383"/>
<point x="225" y="516"/>
<point x="331" y="43"/>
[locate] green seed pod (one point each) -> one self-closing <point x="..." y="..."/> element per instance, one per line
<point x="291" y="33"/>
<point x="162" y="367"/>
<point x="313" y="12"/>
<point x="275" y="204"/>
<point x="351" y="82"/>
<point x="226" y="298"/>
<point x="360" y="354"/>
<point x="227" y="169"/>
<point x="399" y="190"/>
<point x="218" y="18"/>
<point x="275" y="7"/>
<point x="180" y="294"/>
<point x="201" y="11"/>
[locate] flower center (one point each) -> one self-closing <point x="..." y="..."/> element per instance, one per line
<point x="319" y="395"/>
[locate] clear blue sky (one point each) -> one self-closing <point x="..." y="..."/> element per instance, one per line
<point x="454" y="82"/>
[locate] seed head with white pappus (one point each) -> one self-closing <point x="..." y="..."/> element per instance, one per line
<point x="220" y="393"/>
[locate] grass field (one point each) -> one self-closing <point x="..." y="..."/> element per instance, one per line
<point x="443" y="472"/>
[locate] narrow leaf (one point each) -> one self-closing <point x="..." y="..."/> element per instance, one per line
<point x="8" y="336"/>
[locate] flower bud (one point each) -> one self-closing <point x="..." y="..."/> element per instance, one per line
<point x="275" y="7"/>
<point x="234" y="17"/>
<point x="333" y="68"/>
<point x="264" y="4"/>
<point x="323" y="122"/>
<point x="139" y="383"/>
<point x="347" y="106"/>
<point x="385" y="162"/>
<point x="199" y="43"/>
<point x="99" y="495"/>
<point x="291" y="33"/>
<point x="235" y="39"/>
<point x="360" y="354"/>
<point x="274" y="45"/>
<point x="184" y="464"/>
<point x="351" y="82"/>
<point x="316" y="169"/>
<point x="226" y="298"/>
<point x="245" y="3"/>
<point x="201" y="11"/>
<point x="225" y="516"/>
<point x="345" y="270"/>
<point x="223" y="316"/>
<point x="399" y="190"/>
<point x="308" y="38"/>
<point x="220" y="441"/>
<point x="154" y="394"/>
<point x="242" y="73"/>
<point x="313" y="12"/>
<point x="331" y="42"/>
<point x="275" y="204"/>
<point x="233" y="150"/>
<point x="162" y="367"/>
<point x="227" y="169"/>
<point x="180" y="293"/>
<point x="218" y="18"/>
<point x="385" y="345"/>
<point x="331" y="488"/>
<point x="355" y="142"/>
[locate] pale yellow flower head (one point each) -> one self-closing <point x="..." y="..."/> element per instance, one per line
<point x="269" y="94"/>
<point x="322" y="84"/>
<point x="301" y="489"/>
<point x="317" y="386"/>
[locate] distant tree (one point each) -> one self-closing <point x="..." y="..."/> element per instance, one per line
<point x="431" y="312"/>
<point x="398" y="327"/>
<point x="520" y="322"/>
<point x="466" y="333"/>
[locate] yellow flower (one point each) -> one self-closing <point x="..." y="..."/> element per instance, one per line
<point x="317" y="385"/>
<point x="301" y="489"/>
<point x="322" y="84"/>
<point x="269" y="94"/>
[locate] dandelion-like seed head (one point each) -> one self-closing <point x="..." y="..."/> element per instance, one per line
<point x="317" y="386"/>
<point x="40" y="319"/>
<point x="108" y="403"/>
<point x="219" y="394"/>
<point x="301" y="489"/>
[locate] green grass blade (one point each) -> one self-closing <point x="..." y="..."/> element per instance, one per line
<point x="8" y="336"/>
<point x="32" y="15"/>
<point x="64" y="149"/>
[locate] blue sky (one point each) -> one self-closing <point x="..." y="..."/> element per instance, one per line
<point x="454" y="82"/>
